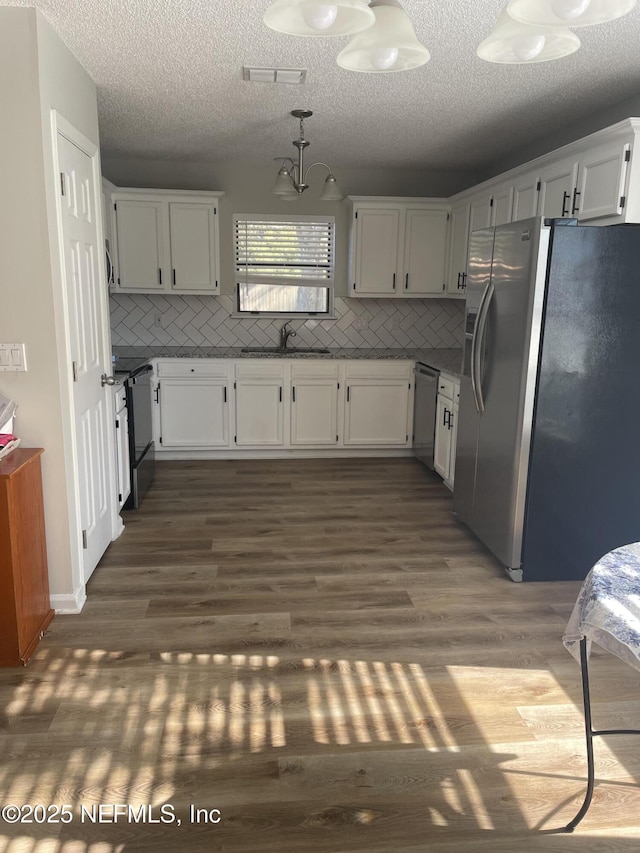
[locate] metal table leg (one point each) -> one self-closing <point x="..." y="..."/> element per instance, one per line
<point x="590" y="734"/>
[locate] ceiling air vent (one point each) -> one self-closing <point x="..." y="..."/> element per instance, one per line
<point x="293" y="76"/>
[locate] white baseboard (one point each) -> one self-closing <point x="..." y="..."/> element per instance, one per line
<point x="72" y="603"/>
<point x="347" y="453"/>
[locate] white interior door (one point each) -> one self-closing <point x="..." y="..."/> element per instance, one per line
<point x="88" y="329"/>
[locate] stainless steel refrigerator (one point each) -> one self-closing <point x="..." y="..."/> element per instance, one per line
<point x="548" y="454"/>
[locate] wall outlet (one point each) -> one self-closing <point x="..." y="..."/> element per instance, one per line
<point x="157" y="319"/>
<point x="361" y="323"/>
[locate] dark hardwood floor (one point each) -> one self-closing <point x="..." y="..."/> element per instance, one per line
<point x="317" y="650"/>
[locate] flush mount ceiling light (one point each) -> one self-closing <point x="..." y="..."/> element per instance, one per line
<point x="313" y="18"/>
<point x="292" y="177"/>
<point x="568" y="13"/>
<point x="389" y="45"/>
<point x="514" y="43"/>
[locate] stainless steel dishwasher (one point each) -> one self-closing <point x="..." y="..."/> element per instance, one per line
<point x="424" y="412"/>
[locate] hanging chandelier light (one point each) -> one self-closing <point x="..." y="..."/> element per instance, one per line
<point x="568" y="13"/>
<point x="314" y="18"/>
<point x="514" y="43"/>
<point x="389" y="45"/>
<point x="291" y="181"/>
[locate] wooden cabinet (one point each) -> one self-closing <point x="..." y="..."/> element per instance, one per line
<point x="192" y="398"/>
<point x="378" y="403"/>
<point x="25" y="609"/>
<point x="166" y="241"/>
<point x="121" y="421"/>
<point x="314" y="404"/>
<point x="446" y="428"/>
<point x="398" y="247"/>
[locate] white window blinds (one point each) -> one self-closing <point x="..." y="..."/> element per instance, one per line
<point x="284" y="250"/>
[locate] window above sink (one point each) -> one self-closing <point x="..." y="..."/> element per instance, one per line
<point x="284" y="266"/>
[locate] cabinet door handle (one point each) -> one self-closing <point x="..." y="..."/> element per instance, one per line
<point x="293" y="391"/>
<point x="565" y="198"/>
<point x="394" y="281"/>
<point x="459" y="274"/>
<point x="224" y="389"/>
<point x="464" y="281"/>
<point x="174" y="277"/>
<point x="348" y="393"/>
<point x="159" y="276"/>
<point x="406" y="282"/>
<point x="450" y="420"/>
<point x="445" y="415"/>
<point x="576" y="203"/>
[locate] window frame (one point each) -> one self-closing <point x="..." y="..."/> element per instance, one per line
<point x="326" y="283"/>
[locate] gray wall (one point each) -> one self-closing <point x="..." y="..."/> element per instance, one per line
<point x="37" y="74"/>
<point x="566" y="134"/>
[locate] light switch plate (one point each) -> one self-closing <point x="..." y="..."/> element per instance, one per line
<point x="12" y="357"/>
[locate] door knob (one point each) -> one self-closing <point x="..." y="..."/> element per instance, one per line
<point x="108" y="380"/>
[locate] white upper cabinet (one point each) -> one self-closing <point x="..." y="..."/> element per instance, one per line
<point x="557" y="184"/>
<point x="601" y="181"/>
<point x="166" y="241"/>
<point x="425" y="241"/>
<point x="375" y="250"/>
<point x="398" y="247"/>
<point x="480" y="212"/>
<point x="459" y="232"/>
<point x="502" y="205"/>
<point x="525" y="197"/>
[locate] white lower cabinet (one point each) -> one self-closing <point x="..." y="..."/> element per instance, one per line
<point x="314" y="404"/>
<point x="192" y="397"/>
<point x="259" y="404"/>
<point x="282" y="405"/>
<point x="194" y="413"/>
<point x="378" y="402"/>
<point x="123" y="469"/>
<point x="446" y="428"/>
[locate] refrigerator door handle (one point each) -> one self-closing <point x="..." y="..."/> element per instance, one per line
<point x="476" y="344"/>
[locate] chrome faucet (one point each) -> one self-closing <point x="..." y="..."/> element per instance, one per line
<point x="285" y="334"/>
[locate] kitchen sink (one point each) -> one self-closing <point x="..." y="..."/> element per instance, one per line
<point x="286" y="351"/>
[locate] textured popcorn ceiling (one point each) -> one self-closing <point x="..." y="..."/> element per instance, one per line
<point x="169" y="77"/>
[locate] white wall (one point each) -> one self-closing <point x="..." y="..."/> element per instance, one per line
<point x="38" y="73"/>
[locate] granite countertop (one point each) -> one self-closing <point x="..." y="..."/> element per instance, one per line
<point x="447" y="360"/>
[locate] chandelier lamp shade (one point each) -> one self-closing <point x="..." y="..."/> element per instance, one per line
<point x="514" y="43"/>
<point x="389" y="45"/>
<point x="568" y="13"/>
<point x="291" y="181"/>
<point x="313" y="18"/>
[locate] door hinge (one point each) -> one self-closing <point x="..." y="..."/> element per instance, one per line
<point x="84" y="540"/>
<point x="74" y="368"/>
<point x="119" y="497"/>
<point x="338" y="386"/>
<point x="215" y="211"/>
<point x="406" y="438"/>
<point x="235" y="438"/>
<point x="117" y="424"/>
<point x="62" y="189"/>
<point x="538" y="186"/>
<point x="235" y="387"/>
<point x="356" y="214"/>
<point x="623" y="200"/>
<point x="115" y="205"/>
<point x="336" y="439"/>
<point x="448" y="216"/>
<point x="444" y="285"/>
<point x="409" y="386"/>
<point x="627" y="156"/>
<point x="491" y="202"/>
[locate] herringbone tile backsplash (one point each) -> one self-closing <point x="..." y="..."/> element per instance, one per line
<point x="139" y="320"/>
